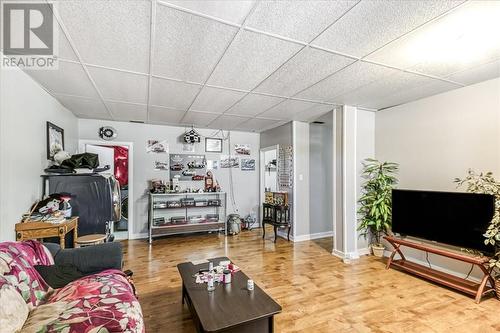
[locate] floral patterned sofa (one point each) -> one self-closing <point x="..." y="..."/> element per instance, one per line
<point x="97" y="303"/>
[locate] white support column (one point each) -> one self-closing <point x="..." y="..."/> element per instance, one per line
<point x="345" y="182"/>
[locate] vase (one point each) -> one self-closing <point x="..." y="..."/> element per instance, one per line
<point x="378" y="250"/>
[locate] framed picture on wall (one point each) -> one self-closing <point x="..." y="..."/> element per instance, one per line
<point x="213" y="145"/>
<point x="55" y="140"/>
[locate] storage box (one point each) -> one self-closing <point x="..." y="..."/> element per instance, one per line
<point x="176" y="220"/>
<point x="158" y="221"/>
<point x="201" y="203"/>
<point x="159" y="205"/>
<point x="195" y="219"/>
<point x="214" y="202"/>
<point x="187" y="202"/>
<point x="212" y="217"/>
<point x="173" y="204"/>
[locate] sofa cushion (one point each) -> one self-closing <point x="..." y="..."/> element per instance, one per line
<point x="46" y="315"/>
<point x="103" y="301"/>
<point x="17" y="260"/>
<point x="13" y="316"/>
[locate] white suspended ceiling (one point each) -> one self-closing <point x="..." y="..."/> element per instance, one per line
<point x="253" y="65"/>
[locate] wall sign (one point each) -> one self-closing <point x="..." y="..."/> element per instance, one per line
<point x="213" y="145"/>
<point x="186" y="166"/>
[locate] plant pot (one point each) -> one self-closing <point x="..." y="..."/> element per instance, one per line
<point x="378" y="250"/>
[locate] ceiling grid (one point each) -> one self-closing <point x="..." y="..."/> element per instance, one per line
<point x="258" y="59"/>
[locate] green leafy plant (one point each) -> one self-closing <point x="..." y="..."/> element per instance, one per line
<point x="375" y="210"/>
<point x="486" y="183"/>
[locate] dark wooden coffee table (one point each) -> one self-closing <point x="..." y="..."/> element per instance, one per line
<point x="230" y="307"/>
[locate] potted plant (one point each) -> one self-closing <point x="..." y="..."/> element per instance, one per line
<point x="486" y="183"/>
<point x="375" y="204"/>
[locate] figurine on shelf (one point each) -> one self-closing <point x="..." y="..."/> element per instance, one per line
<point x="209" y="182"/>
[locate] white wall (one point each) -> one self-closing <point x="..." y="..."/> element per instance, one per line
<point x="438" y="138"/>
<point x="24" y="109"/>
<point x="246" y="183"/>
<point x="281" y="135"/>
<point x="321" y="175"/>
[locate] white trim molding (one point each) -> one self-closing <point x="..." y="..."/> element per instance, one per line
<point x="301" y="238"/>
<point x="346" y="257"/>
<point x="139" y="236"/>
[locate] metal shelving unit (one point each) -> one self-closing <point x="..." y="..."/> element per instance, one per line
<point x="167" y="220"/>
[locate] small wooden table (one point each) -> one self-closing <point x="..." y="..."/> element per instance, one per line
<point x="88" y="240"/>
<point x="39" y="230"/>
<point x="230" y="307"/>
<point x="278" y="216"/>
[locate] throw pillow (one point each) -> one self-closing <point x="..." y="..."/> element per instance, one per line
<point x="58" y="276"/>
<point x="13" y="315"/>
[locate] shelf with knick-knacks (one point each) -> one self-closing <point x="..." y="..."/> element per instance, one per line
<point x="178" y="213"/>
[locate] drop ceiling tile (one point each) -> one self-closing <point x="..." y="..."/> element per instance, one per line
<point x="300" y="20"/>
<point x="166" y="115"/>
<point x="477" y="74"/>
<point x="370" y="95"/>
<point x="70" y="79"/>
<point x="254" y="104"/>
<point x="372" y="24"/>
<point x="110" y="33"/>
<point x="216" y="100"/>
<point x="174" y="94"/>
<point x="350" y="78"/>
<point x="127" y="111"/>
<point x="286" y="110"/>
<point x="227" y="122"/>
<point x="232" y="11"/>
<point x="432" y="87"/>
<point x="64" y="49"/>
<point x="446" y="45"/>
<point x="313" y="112"/>
<point x="120" y="86"/>
<point x="187" y="47"/>
<point x="199" y="118"/>
<point x="84" y="108"/>
<point x="250" y="59"/>
<point x="303" y="70"/>
<point x="258" y="124"/>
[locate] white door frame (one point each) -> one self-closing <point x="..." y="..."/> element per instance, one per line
<point x="262" y="170"/>
<point x="130" y="146"/>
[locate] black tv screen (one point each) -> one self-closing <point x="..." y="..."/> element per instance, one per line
<point x="458" y="219"/>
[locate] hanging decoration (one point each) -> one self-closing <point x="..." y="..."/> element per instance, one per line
<point x="107" y="133"/>
<point x="192" y="137"/>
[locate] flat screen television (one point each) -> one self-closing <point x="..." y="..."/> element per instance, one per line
<point x="458" y="219"/>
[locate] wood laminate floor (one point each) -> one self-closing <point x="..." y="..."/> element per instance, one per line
<point x="318" y="292"/>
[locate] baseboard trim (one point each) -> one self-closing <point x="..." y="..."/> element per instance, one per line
<point x="317" y="235"/>
<point x="346" y="256"/>
<point x="364" y="251"/>
<point x="139" y="236"/>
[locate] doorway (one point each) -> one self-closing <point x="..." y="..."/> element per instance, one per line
<point x="119" y="157"/>
<point x="268" y="172"/>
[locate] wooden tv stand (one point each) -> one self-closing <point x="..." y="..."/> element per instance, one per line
<point x="466" y="286"/>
